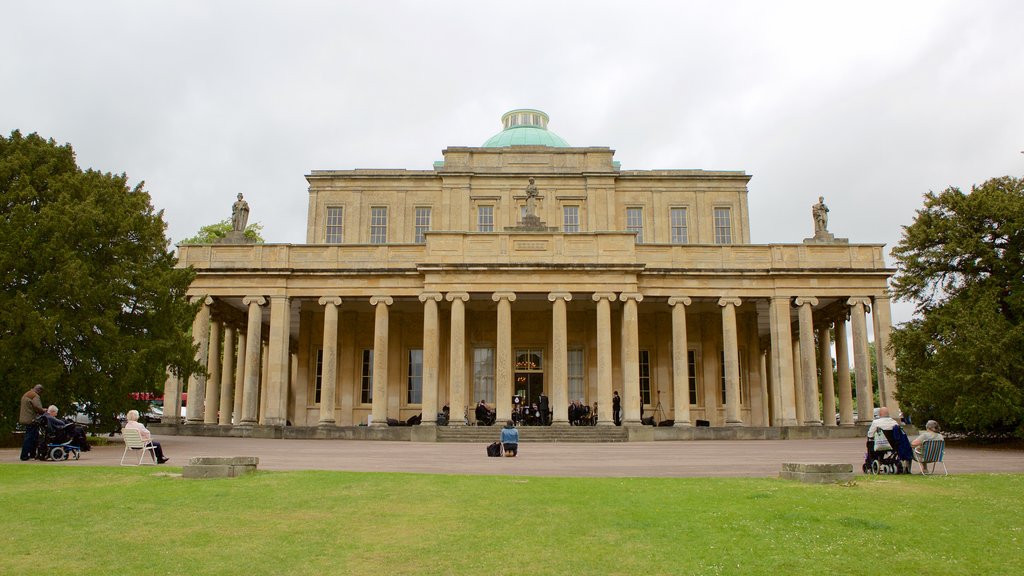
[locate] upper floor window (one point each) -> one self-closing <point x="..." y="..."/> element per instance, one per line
<point x="677" y="221"/>
<point x="723" y="226"/>
<point x="635" y="223"/>
<point x="335" y="226"/>
<point x="485" y="219"/>
<point x="570" y="218"/>
<point x="378" y="225"/>
<point x="422" y="223"/>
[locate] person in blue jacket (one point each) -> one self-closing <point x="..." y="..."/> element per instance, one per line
<point x="510" y="439"/>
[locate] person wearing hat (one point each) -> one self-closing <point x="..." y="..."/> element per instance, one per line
<point x="31" y="408"/>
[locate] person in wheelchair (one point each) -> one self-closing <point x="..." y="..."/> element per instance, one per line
<point x="888" y="448"/>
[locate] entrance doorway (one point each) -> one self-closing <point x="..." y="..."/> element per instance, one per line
<point x="529" y="375"/>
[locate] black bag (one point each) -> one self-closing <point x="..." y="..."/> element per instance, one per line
<point x="494" y="449"/>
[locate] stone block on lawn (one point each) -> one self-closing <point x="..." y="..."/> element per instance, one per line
<point x="219" y="467"/>
<point x="815" y="473"/>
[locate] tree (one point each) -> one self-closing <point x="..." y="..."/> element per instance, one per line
<point x="91" y="304"/>
<point x="210" y="233"/>
<point x="961" y="359"/>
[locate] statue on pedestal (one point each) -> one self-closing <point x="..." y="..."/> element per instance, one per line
<point x="531" y="199"/>
<point x="820" y="213"/>
<point x="239" y="214"/>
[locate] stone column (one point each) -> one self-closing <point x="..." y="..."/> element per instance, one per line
<point x="808" y="363"/>
<point x="798" y="382"/>
<point x="329" y="370"/>
<point x="861" y="359"/>
<point x="730" y="345"/>
<point x="278" y="372"/>
<point x="197" y="382"/>
<point x="431" y="353"/>
<point x="886" y="362"/>
<point x="254" y="337"/>
<point x="226" y="377"/>
<point x="630" y="358"/>
<point x="755" y="373"/>
<point x="172" y="399"/>
<point x="680" y="364"/>
<point x="559" y="359"/>
<point x="503" y="356"/>
<point x="828" y="389"/>
<point x="236" y="411"/>
<point x="782" y="361"/>
<point x="379" y="406"/>
<point x="213" y="368"/>
<point x="457" y="365"/>
<point x="604" y="358"/>
<point x="843" y="373"/>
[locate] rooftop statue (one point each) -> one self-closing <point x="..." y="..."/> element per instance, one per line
<point x="531" y="199"/>
<point x="820" y="213"/>
<point x="239" y="214"/>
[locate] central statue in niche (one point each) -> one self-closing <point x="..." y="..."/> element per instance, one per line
<point x="530" y="221"/>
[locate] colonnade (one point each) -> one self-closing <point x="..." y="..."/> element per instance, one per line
<point x="250" y="373"/>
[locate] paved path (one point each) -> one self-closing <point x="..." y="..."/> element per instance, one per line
<point x="652" y="459"/>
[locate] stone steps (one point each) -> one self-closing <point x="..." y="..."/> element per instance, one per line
<point x="534" y="434"/>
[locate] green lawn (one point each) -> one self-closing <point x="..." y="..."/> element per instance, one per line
<point x="140" y="521"/>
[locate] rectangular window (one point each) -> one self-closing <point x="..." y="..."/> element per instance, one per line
<point x="635" y="223"/>
<point x="335" y="225"/>
<point x="378" y="225"/>
<point x="721" y="370"/>
<point x="422" y="223"/>
<point x="678" y="224"/>
<point x="570" y="218"/>
<point x="575" y="374"/>
<point x="483" y="375"/>
<point x="723" y="226"/>
<point x="645" y="376"/>
<point x="485" y="219"/>
<point x="691" y="360"/>
<point x="319" y="374"/>
<point x="366" y="395"/>
<point x="415" y="393"/>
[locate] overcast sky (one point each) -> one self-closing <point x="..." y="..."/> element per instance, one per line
<point x="869" y="104"/>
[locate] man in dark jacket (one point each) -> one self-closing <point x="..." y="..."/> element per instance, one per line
<point x="31" y="408"/>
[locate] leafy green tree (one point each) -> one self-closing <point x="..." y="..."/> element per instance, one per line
<point x="961" y="359"/>
<point x="212" y="232"/>
<point x="91" y="305"/>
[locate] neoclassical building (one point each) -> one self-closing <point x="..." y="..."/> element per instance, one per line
<point x="527" y="266"/>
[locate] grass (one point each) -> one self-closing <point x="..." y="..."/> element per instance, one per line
<point x="85" y="520"/>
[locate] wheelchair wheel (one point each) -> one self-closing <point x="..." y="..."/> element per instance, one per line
<point x="76" y="454"/>
<point x="58" y="453"/>
<point x="874" y="467"/>
<point x="865" y="468"/>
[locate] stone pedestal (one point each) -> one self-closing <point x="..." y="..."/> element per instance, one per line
<point x="816" y="473"/>
<point x="236" y="237"/>
<point x="821" y="237"/>
<point x="213" y="467"/>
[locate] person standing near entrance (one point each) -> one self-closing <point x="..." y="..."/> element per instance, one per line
<point x="616" y="408"/>
<point x="545" y="415"/>
<point x="31" y="408"/>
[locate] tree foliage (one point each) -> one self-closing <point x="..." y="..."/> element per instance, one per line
<point x="210" y="233"/>
<point x="961" y="359"/>
<point x="91" y="305"/>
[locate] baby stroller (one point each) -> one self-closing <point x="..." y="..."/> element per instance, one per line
<point x="60" y="441"/>
<point x="894" y="459"/>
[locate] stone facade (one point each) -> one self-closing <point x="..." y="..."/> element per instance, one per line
<point x="420" y="289"/>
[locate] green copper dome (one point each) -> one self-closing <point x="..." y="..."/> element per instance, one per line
<point x="525" y="127"/>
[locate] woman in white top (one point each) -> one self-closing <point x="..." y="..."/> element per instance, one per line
<point x="134" y="424"/>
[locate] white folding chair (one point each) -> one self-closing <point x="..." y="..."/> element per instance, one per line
<point x="133" y="441"/>
<point x="931" y="453"/>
